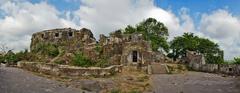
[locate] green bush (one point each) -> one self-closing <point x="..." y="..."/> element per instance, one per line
<point x="47" y="49"/>
<point x="11" y="58"/>
<point x="52" y="50"/>
<point x="80" y="60"/>
<point x="102" y="63"/>
<point x="22" y="55"/>
<point x="98" y="48"/>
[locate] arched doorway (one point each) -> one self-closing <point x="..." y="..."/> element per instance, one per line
<point x="134" y="56"/>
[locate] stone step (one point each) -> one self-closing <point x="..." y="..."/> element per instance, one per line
<point x="159" y="69"/>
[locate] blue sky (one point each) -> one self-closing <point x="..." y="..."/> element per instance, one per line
<point x="196" y="7"/>
<point x="218" y="20"/>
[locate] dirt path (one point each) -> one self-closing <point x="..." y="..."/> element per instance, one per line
<point x="195" y="82"/>
<point x="14" y="80"/>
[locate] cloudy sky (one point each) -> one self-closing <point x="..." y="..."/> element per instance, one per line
<point x="218" y="20"/>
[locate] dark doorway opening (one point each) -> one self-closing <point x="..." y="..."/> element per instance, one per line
<point x="42" y="35"/>
<point x="56" y="34"/>
<point x="134" y="56"/>
<point x="70" y="34"/>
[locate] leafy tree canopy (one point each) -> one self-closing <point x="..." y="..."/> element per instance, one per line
<point x="237" y="60"/>
<point x="188" y="41"/>
<point x="151" y="30"/>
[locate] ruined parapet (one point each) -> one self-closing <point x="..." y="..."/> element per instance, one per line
<point x="131" y="49"/>
<point x="195" y="59"/>
<point x="197" y="62"/>
<point x="103" y="39"/>
<point x="72" y="71"/>
<point x="119" y="37"/>
<point x="135" y="37"/>
<point x="67" y="38"/>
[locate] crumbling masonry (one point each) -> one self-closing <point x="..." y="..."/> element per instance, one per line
<point x="118" y="48"/>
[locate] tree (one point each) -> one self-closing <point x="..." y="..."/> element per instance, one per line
<point x="22" y="55"/>
<point x="11" y="57"/>
<point x="237" y="60"/>
<point x="211" y="51"/>
<point x="153" y="31"/>
<point x="3" y="48"/>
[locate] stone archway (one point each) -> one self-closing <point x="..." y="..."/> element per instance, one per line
<point x="131" y="55"/>
<point x="134" y="56"/>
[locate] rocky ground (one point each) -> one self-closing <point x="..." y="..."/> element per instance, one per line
<point x="195" y="82"/>
<point x="130" y="80"/>
<point x="14" y="80"/>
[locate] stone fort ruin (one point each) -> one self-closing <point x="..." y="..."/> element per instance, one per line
<point x="117" y="49"/>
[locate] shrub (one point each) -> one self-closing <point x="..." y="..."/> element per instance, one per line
<point x="47" y="49"/>
<point x="80" y="60"/>
<point x="11" y="58"/>
<point x="102" y="63"/>
<point x="22" y="55"/>
<point x="52" y="50"/>
<point x="98" y="48"/>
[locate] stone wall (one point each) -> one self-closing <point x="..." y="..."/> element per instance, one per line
<point x="67" y="38"/>
<point x="65" y="70"/>
<point x="196" y="61"/>
<point x="230" y="69"/>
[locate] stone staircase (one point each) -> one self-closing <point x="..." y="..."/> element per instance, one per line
<point x="158" y="68"/>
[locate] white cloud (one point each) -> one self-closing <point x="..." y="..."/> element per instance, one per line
<point x="224" y="28"/>
<point x="24" y="18"/>
<point x="168" y="18"/>
<point x="104" y="16"/>
<point x="187" y="22"/>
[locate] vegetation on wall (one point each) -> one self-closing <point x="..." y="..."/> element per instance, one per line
<point x="153" y="31"/>
<point x="179" y="45"/>
<point x="80" y="60"/>
<point x="47" y="49"/>
<point x="102" y="63"/>
<point x="98" y="48"/>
